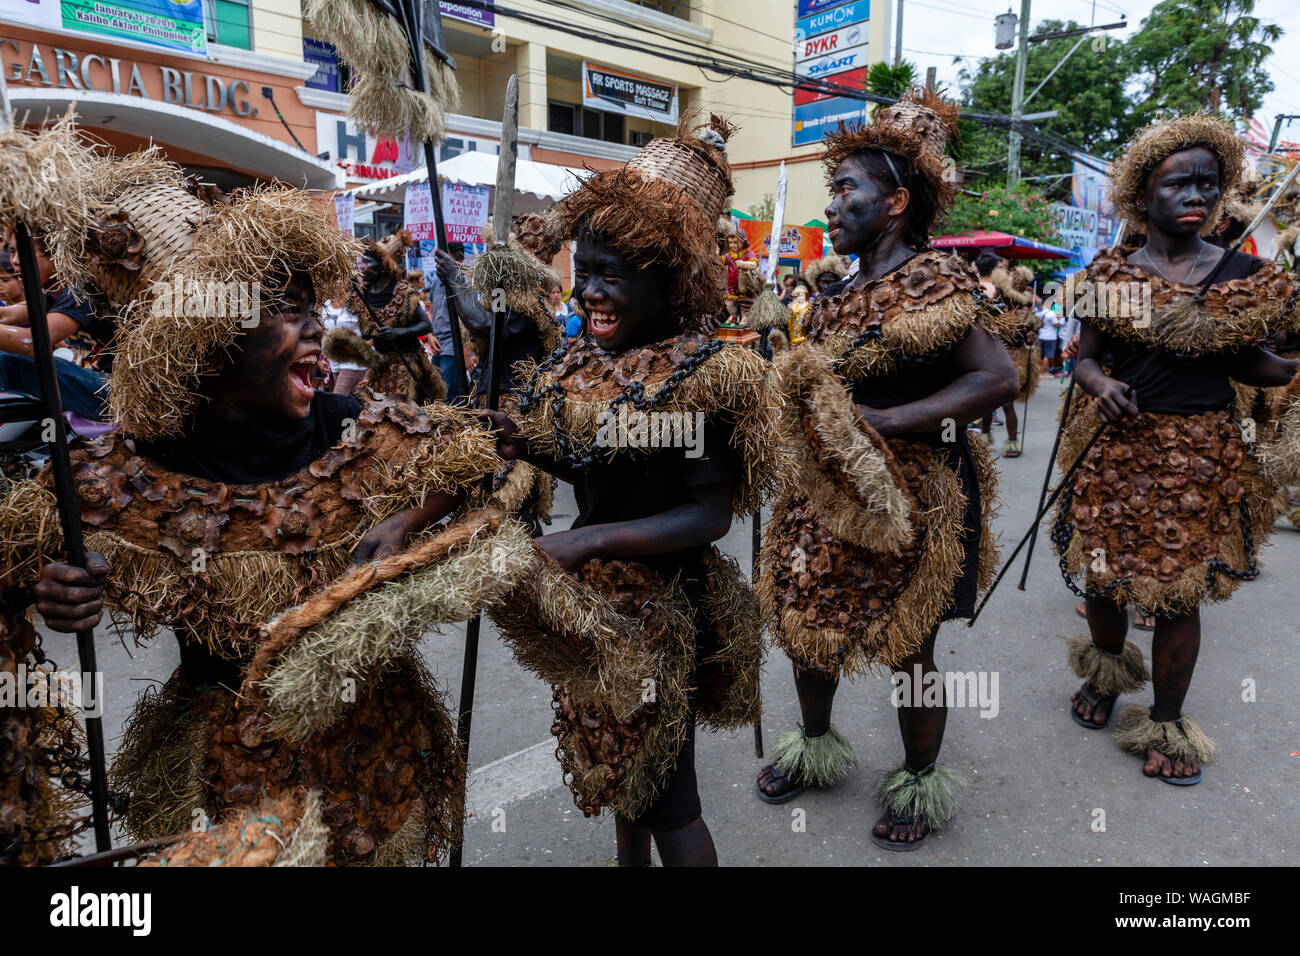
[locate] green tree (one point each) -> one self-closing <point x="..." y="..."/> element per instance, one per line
<point x="891" y="80"/>
<point x="764" y="209"/>
<point x="1192" y="55"/>
<point x="1087" y="91"/>
<point x="1023" y="211"/>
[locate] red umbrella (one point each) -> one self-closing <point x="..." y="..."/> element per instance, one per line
<point x="1003" y="244"/>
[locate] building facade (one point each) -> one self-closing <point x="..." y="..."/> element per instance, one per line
<point x="244" y="90"/>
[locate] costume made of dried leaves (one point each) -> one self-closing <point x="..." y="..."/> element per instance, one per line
<point x="594" y="385"/>
<point x="516" y="277"/>
<point x="41" y="752"/>
<point x="1111" y="295"/>
<point x="284" y="832"/>
<point x="863" y="550"/>
<point x="219" y="559"/>
<point x="1168" y="499"/>
<point x="1020" y="325"/>
<point x="601" y="636"/>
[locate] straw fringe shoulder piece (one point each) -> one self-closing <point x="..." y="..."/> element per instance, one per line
<point x="220" y="559"/>
<point x="859" y="560"/>
<point x="568" y="398"/>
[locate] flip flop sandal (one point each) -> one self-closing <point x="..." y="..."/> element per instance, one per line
<point x="898" y="846"/>
<point x="1178" y="781"/>
<point x="1094" y="701"/>
<point x="1081" y="610"/>
<point x="1137" y="622"/>
<point x="782" y="798"/>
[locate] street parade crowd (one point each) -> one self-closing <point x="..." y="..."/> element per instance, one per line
<point x="300" y="484"/>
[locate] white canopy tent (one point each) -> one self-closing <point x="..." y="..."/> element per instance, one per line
<point x="537" y="185"/>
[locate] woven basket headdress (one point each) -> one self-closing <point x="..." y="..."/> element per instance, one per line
<point x="662" y="208"/>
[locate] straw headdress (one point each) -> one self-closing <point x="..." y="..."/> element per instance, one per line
<point x="1155" y="143"/>
<point x="169" y="341"/>
<point x="917" y="128"/>
<point x="662" y="208"/>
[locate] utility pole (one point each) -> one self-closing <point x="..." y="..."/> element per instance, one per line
<point x="898" y="36"/>
<point x="1017" y="98"/>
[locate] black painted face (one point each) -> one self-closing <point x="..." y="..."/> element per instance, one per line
<point x="626" y="304"/>
<point x="825" y="281"/>
<point x="1182" y="192"/>
<point x="270" y="374"/>
<point x="860" y="209"/>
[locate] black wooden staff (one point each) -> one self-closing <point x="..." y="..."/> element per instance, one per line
<point x="69" y="511"/>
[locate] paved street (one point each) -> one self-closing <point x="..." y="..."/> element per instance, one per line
<point x="1035" y="780"/>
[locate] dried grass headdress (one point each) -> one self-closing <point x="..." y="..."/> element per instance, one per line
<point x="168" y="343"/>
<point x="662" y="208"/>
<point x="1152" y="145"/>
<point x="917" y="128"/>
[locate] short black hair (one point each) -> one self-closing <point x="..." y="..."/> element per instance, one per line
<point x="985" y="263"/>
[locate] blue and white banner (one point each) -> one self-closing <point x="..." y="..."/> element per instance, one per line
<point x="812" y="121"/>
<point x="859" y="11"/>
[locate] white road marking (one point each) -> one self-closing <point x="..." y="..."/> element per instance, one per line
<point x="512" y="777"/>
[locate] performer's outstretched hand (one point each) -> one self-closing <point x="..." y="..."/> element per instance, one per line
<point x="70" y="598"/>
<point x="510" y="444"/>
<point x="393" y="534"/>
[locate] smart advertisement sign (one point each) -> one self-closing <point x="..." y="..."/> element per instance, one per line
<point x="831" y="44"/>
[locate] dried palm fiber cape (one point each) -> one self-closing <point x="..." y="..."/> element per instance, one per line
<point x="383" y="295"/>
<point x="1179" y="503"/>
<point x="378" y="56"/>
<point x="1021" y="323"/>
<point x="863" y="552"/>
<point x="265" y="548"/>
<point x="597" y="635"/>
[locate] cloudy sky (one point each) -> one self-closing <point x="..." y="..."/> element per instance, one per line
<point x="934" y="31"/>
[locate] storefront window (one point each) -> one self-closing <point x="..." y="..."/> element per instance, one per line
<point x="577" y="120"/>
<point x="229" y="22"/>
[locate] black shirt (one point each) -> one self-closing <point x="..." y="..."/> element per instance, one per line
<point x="253" y="453"/>
<point x="634" y="485"/>
<point x="93" y="315"/>
<point x="1170" y="385"/>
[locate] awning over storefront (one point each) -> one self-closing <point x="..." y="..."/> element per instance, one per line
<point x="537" y="185"/>
<point x="1003" y="244"/>
<point x="196" y="131"/>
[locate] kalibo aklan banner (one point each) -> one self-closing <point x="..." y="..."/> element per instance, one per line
<point x="176" y="26"/>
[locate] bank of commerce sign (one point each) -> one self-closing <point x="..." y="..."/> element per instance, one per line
<point x="617" y="91"/>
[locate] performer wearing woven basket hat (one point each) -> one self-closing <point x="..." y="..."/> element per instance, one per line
<point x="884" y="534"/>
<point x="1169" y="506"/>
<point x="665" y="433"/>
<point x="232" y="492"/>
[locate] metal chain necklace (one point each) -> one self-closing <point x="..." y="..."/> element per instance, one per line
<point x="1190" y="272"/>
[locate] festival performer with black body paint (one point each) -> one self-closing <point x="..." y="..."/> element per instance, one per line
<point x="1169" y="508"/>
<point x="388" y="308"/>
<point x="885" y="531"/>
<point x="645" y="630"/>
<point x="1014" y="289"/>
<point x="233" y="492"/>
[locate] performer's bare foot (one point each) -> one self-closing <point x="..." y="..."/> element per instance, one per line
<point x="776" y="787"/>
<point x="901" y="829"/>
<point x="1092" y="707"/>
<point x="1162" y="765"/>
<point x="1143" y="621"/>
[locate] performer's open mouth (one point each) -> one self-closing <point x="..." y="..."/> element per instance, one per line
<point x="300" y="373"/>
<point x="602" y="324"/>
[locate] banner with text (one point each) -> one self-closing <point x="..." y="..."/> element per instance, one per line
<point x="614" y="91"/>
<point x="417" y="212"/>
<point x="165" y="23"/>
<point x="465" y="211"/>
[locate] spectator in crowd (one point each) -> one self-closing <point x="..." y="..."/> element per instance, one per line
<point x="444" y="353"/>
